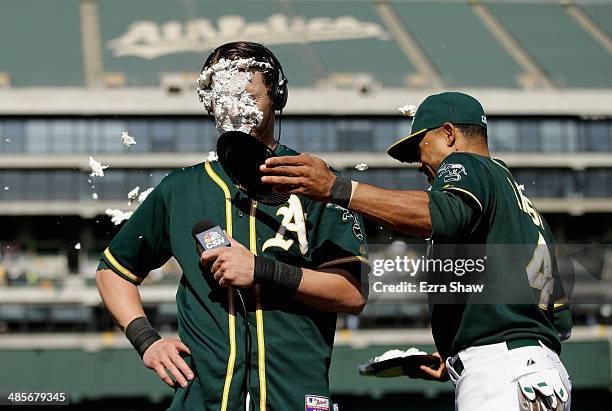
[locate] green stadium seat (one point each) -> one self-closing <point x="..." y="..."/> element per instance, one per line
<point x="600" y="14"/>
<point x="458" y="44"/>
<point x="41" y="43"/>
<point x="381" y="58"/>
<point x="561" y="47"/>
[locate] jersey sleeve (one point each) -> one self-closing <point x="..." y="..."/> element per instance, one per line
<point x="451" y="216"/>
<point x="459" y="195"/>
<point x="142" y="244"/>
<point x="338" y="240"/>
<point x="466" y="176"/>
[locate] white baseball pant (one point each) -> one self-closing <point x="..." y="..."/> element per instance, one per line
<point x="495" y="378"/>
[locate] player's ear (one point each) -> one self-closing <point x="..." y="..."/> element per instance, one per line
<point x="450" y="134"/>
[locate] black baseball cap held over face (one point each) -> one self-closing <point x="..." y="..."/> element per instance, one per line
<point x="435" y="110"/>
<point x="241" y="155"/>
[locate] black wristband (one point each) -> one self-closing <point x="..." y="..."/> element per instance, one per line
<point x="341" y="191"/>
<point x="141" y="334"/>
<point x="281" y="275"/>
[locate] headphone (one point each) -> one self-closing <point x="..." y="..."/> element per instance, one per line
<point x="280" y="93"/>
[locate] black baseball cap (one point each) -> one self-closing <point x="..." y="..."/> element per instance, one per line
<point x="435" y="110"/>
<point x="241" y="155"/>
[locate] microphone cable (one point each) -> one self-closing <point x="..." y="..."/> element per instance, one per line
<point x="248" y="341"/>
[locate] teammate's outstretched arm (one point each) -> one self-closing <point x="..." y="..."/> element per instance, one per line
<point x="309" y="176"/>
<point x="123" y="301"/>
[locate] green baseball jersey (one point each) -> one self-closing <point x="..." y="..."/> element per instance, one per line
<point x="259" y="337"/>
<point x="477" y="206"/>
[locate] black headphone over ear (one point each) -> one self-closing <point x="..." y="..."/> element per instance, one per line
<point x="280" y="92"/>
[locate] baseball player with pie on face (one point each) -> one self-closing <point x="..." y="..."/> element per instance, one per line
<point x="501" y="349"/>
<point x="256" y="319"/>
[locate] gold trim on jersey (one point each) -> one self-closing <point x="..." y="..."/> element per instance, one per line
<point x="226" y="193"/>
<point x="231" y="320"/>
<point x="465" y="192"/>
<point x="353" y="258"/>
<point x="231" y="324"/>
<point x="555" y="306"/>
<point x="121" y="268"/>
<point x="261" y="348"/>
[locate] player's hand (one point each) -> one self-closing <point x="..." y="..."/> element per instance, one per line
<point x="428" y="373"/>
<point x="303" y="175"/>
<point x="163" y="356"/>
<point x="231" y="266"/>
<point x="543" y="390"/>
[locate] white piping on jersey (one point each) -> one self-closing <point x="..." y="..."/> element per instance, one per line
<point x="516" y="195"/>
<point x="466" y="192"/>
<point x="513" y="184"/>
<point x="501" y="165"/>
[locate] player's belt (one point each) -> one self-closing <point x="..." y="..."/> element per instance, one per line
<point x="511" y="345"/>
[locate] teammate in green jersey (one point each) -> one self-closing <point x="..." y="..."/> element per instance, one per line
<point x="501" y="347"/>
<point x="257" y="319"/>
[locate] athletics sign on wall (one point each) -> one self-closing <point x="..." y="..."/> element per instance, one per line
<point x="148" y="39"/>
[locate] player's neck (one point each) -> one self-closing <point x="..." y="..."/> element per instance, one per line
<point x="267" y="136"/>
<point x="480" y="149"/>
<point x="268" y="139"/>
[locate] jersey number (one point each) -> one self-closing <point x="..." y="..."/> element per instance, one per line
<point x="539" y="271"/>
<point x="293" y="220"/>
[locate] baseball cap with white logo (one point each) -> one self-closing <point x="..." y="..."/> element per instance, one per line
<point x="435" y="110"/>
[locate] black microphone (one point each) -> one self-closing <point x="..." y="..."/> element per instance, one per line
<point x="208" y="236"/>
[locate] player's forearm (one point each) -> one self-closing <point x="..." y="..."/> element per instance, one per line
<point x="404" y="211"/>
<point x="333" y="290"/>
<point x="121" y="298"/>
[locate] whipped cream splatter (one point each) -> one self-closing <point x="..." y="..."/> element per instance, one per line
<point x="222" y="89"/>
<point x="118" y="216"/>
<point x="143" y="196"/>
<point x="97" y="168"/>
<point x="212" y="156"/>
<point x="133" y="195"/>
<point x="127" y="140"/>
<point x="399" y="354"/>
<point x="407" y="110"/>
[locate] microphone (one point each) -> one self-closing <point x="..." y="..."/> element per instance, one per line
<point x="208" y="236"/>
